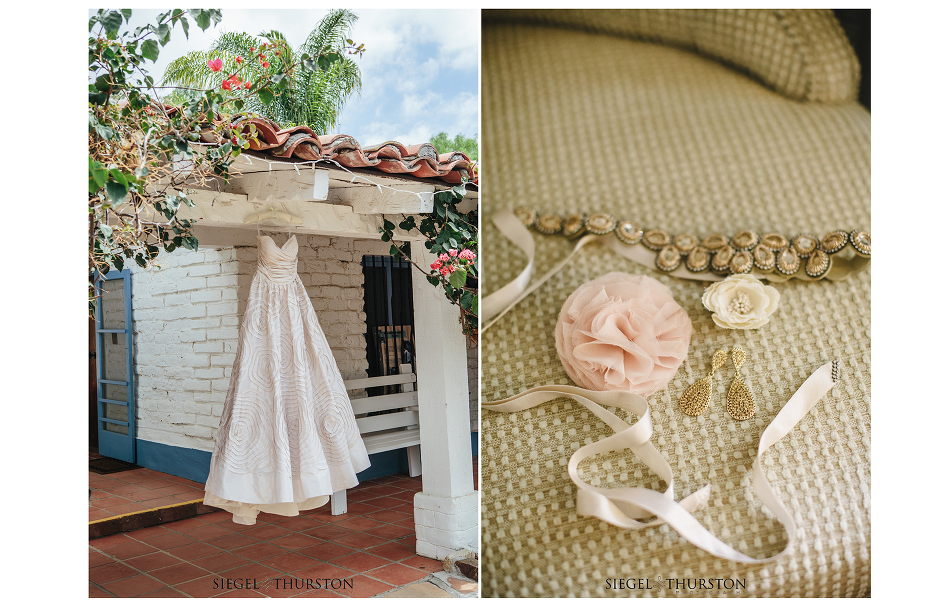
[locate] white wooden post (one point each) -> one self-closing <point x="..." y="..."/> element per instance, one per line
<point x="446" y="508"/>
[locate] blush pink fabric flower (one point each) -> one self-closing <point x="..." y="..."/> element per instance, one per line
<point x="215" y="65"/>
<point x="622" y="332"/>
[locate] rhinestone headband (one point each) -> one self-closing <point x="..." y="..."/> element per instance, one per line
<point x="739" y="254"/>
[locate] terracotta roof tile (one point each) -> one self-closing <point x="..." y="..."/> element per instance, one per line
<point x="393" y="157"/>
<point x="419" y="160"/>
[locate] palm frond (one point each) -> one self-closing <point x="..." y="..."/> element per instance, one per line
<point x="330" y="33"/>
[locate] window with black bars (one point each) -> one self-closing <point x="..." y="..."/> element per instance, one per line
<point x="389" y="317"/>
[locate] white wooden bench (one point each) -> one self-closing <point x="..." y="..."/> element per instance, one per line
<point x="387" y="431"/>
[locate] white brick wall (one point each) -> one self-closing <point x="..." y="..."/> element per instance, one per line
<point x="187" y="316"/>
<point x="185" y="331"/>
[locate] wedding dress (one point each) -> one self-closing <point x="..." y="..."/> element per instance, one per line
<point x="287" y="437"/>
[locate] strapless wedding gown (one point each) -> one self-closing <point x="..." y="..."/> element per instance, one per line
<point x="288" y="437"/>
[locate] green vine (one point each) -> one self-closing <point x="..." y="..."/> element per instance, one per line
<point x="452" y="237"/>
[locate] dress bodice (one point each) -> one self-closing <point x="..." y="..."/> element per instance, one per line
<point x="277" y="264"/>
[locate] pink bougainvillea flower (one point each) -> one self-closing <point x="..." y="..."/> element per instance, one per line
<point x="252" y="48"/>
<point x="247" y="85"/>
<point x="226" y="85"/>
<point x="444" y="271"/>
<point x="239" y="60"/>
<point x="444" y="257"/>
<point x="436" y="265"/>
<point x="467" y="254"/>
<point x="234" y="141"/>
<point x="453" y="253"/>
<point x="266" y="64"/>
<point x="215" y="65"/>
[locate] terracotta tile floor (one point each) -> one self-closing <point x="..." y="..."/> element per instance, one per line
<point x="138" y="490"/>
<point x="365" y="552"/>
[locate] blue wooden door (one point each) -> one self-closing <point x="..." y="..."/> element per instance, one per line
<point x="115" y="387"/>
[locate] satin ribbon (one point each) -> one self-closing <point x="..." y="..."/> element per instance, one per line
<point x="623" y="507"/>
<point x="504" y="299"/>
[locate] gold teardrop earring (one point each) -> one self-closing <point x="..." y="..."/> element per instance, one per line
<point x="697" y="398"/>
<point x="740" y="399"/>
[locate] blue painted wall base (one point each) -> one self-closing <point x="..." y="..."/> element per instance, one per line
<point x="196" y="464"/>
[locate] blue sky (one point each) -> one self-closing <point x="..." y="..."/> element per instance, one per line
<point x="419" y="70"/>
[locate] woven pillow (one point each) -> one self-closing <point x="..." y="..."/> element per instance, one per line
<point x="802" y="54"/>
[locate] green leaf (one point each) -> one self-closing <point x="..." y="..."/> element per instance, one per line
<point x="127" y="13"/>
<point x="97" y="175"/>
<point x="474" y="305"/>
<point x="164" y="33"/>
<point x="185" y="25"/>
<point x="393" y="250"/>
<point x="112" y="21"/>
<point x="106" y="230"/>
<point x="265" y="96"/>
<point x="467" y="299"/>
<point x="98" y="98"/>
<point x="190" y="243"/>
<point x="104" y="132"/>
<point x="103" y="83"/>
<point x="408" y="223"/>
<point x="119" y="176"/>
<point x="458" y="278"/>
<point x="150" y="50"/>
<point x="118" y="262"/>
<point x="201" y="17"/>
<point x="172" y="201"/>
<point x="276" y="78"/>
<point x="387" y="225"/>
<point x="116" y="191"/>
<point x="141" y="261"/>
<point x="434" y="280"/>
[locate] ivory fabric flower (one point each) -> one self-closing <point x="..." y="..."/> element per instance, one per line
<point x="740" y="302"/>
<point x="622" y="332"/>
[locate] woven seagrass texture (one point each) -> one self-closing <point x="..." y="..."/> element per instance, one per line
<point x="803" y="54"/>
<point x="578" y="121"/>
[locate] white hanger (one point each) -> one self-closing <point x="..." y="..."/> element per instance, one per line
<point x="273" y="214"/>
<point x="288" y="219"/>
